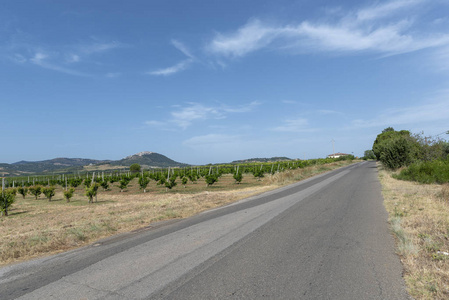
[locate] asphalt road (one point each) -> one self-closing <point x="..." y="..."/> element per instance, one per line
<point x="323" y="238"/>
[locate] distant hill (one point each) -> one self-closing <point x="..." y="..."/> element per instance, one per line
<point x="148" y="159"/>
<point x="272" y="159"/>
<point x="66" y="165"/>
<point x="47" y="166"/>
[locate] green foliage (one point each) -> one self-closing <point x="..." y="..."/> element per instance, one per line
<point x="49" y="192"/>
<point x="184" y="181"/>
<point x="123" y="184"/>
<point x="35" y="190"/>
<point x="211" y="179"/>
<point x="74" y="182"/>
<point x="396" y="149"/>
<point x="436" y="171"/>
<point x="22" y="191"/>
<point x="369" y="154"/>
<point x="171" y="182"/>
<point x="7" y="198"/>
<point x="258" y="173"/>
<point x="238" y="176"/>
<point x="104" y="184"/>
<point x="87" y="182"/>
<point x="69" y="194"/>
<point x="92" y="191"/>
<point x="143" y="182"/>
<point x="134" y="168"/>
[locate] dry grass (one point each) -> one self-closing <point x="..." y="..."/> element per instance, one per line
<point x="38" y="227"/>
<point x="419" y="215"/>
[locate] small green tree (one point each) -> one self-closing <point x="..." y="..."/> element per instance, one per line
<point x="258" y="173"/>
<point x="104" y="184"/>
<point x="87" y="182"/>
<point x="92" y="191"/>
<point x="238" y="176"/>
<point x="69" y="194"/>
<point x="193" y="177"/>
<point x="6" y="200"/>
<point x="49" y="192"/>
<point x="171" y="182"/>
<point x="143" y="182"/>
<point x="22" y="191"/>
<point x="184" y="181"/>
<point x="369" y="154"/>
<point x="35" y="190"/>
<point x="134" y="168"/>
<point x="211" y="179"/>
<point x="123" y="184"/>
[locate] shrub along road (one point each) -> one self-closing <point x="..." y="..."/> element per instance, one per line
<point x="322" y="238"/>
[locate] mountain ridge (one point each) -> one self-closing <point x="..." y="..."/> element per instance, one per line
<point x="66" y="165"/>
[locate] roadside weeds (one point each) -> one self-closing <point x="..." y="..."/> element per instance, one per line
<point x="419" y="219"/>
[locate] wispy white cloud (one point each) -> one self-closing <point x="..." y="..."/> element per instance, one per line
<point x="184" y="116"/>
<point x="181" y="66"/>
<point x="354" y="32"/>
<point x="181" y="47"/>
<point x="386" y="9"/>
<point x="194" y="112"/>
<point x="249" y="38"/>
<point x="97" y="47"/>
<point x="173" y="69"/>
<point x="42" y="60"/>
<point x="64" y="59"/>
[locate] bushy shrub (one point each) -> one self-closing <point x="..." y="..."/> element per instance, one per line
<point x="49" y="192"/>
<point x="35" y="190"/>
<point x="211" y="179"/>
<point x="7" y="198"/>
<point x="69" y="194"/>
<point x="436" y="171"/>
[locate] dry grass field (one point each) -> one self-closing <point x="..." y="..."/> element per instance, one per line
<point x="37" y="228"/>
<point x="419" y="217"/>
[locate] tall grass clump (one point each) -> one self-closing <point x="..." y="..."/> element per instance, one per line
<point x="436" y="171"/>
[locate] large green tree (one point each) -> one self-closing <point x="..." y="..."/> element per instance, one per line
<point x="396" y="149"/>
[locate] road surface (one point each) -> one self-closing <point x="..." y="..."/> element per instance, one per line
<point x="323" y="238"/>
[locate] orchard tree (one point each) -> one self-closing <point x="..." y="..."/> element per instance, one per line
<point x="211" y="179"/>
<point x="104" y="184"/>
<point x="123" y="184"/>
<point x="35" y="190"/>
<point x="184" y="181"/>
<point x="171" y="182"/>
<point x="238" y="176"/>
<point x="69" y="194"/>
<point x="22" y="191"/>
<point x="92" y="191"/>
<point x="143" y="182"/>
<point x="7" y="198"/>
<point x="49" y="192"/>
<point x="258" y="173"/>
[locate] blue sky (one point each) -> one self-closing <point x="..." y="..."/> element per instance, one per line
<point x="215" y="81"/>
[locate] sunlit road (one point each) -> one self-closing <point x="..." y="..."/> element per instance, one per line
<point x="323" y="238"/>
